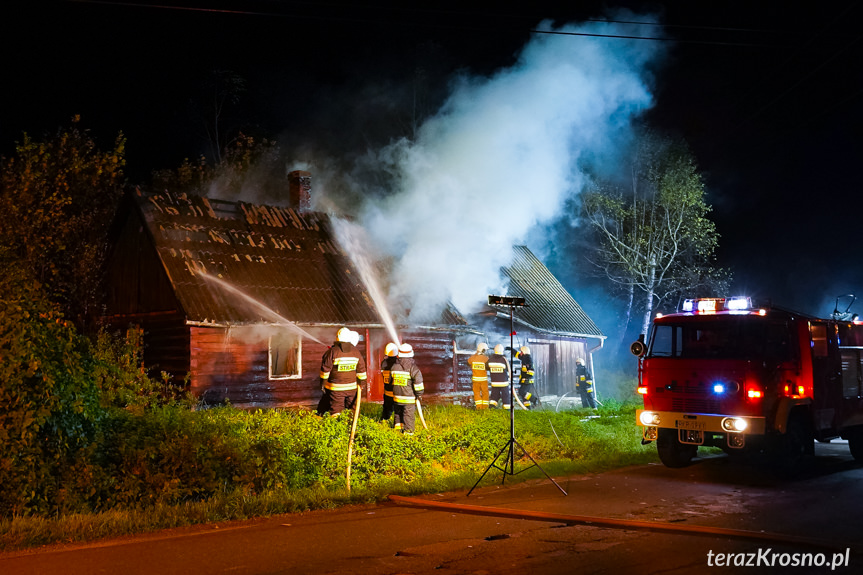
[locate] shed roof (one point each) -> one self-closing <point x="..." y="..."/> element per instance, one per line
<point x="550" y="308"/>
<point x="237" y="262"/>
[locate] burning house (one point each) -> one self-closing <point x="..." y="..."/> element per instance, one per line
<point x="551" y="324"/>
<point x="241" y="300"/>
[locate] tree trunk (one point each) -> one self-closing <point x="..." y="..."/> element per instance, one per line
<point x="650" y="290"/>
<point x="630" y="300"/>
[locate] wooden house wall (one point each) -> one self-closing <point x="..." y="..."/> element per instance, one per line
<point x="561" y="376"/>
<point x="554" y="363"/>
<point x="444" y="371"/>
<point x="166" y="342"/>
<point x="139" y="293"/>
<point x="230" y="364"/>
<point x="136" y="279"/>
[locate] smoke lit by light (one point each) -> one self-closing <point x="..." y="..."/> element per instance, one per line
<point x="501" y="157"/>
<point x="496" y="163"/>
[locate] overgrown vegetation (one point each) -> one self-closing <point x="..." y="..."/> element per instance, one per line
<point x="57" y="199"/>
<point x="170" y="466"/>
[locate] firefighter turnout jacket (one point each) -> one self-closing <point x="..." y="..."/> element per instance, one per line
<point x="343" y="367"/>
<point x="479" y="367"/>
<point x="498" y="368"/>
<point x="407" y="381"/>
<point x="583" y="380"/>
<point x="386" y="374"/>
<point x="526" y="375"/>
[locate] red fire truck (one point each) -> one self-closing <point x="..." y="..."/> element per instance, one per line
<point x="724" y="373"/>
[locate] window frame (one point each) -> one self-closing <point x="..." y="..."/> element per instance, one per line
<point x="299" y="362"/>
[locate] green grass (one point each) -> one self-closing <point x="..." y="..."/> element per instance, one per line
<point x="172" y="467"/>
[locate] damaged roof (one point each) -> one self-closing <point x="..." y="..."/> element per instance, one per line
<point x="237" y="262"/>
<point x="550" y="308"/>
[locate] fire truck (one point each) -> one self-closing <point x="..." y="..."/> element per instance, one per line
<point x="722" y="372"/>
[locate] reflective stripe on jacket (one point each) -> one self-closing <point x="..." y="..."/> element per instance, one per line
<point x="407" y="381"/>
<point x="479" y="367"/>
<point x="343" y="367"/>
<point x="526" y="376"/>
<point x="386" y="367"/>
<point x="498" y="368"/>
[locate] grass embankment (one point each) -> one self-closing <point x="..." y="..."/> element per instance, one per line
<point x="173" y="467"/>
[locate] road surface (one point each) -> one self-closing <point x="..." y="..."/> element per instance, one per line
<point x="824" y="508"/>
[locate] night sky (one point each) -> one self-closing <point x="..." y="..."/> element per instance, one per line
<point x="768" y="97"/>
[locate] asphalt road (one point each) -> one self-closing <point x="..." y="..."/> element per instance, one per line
<point x="823" y="509"/>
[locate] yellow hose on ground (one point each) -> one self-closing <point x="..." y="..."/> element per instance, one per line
<point x="353" y="432"/>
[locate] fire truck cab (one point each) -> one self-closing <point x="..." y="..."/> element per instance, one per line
<point x="724" y="373"/>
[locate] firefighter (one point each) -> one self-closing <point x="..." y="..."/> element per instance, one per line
<point x="584" y="384"/>
<point x="391" y="352"/>
<point x="525" y="378"/>
<point x="343" y="371"/>
<point x="479" y="376"/>
<point x="498" y="367"/>
<point x="407" y="388"/>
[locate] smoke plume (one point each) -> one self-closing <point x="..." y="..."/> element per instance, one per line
<point x="499" y="159"/>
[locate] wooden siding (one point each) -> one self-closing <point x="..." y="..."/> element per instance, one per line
<point x="558" y="374"/>
<point x="166" y="342"/>
<point x="136" y="279"/>
<point x="232" y="364"/>
<point x="226" y="365"/>
<point x="434" y="355"/>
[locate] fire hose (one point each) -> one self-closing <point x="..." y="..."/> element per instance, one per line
<point x="608" y="522"/>
<point x="518" y="399"/>
<point x="420" y="412"/>
<point x="353" y="432"/>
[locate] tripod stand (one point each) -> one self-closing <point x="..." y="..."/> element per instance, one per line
<point x="508" y="467"/>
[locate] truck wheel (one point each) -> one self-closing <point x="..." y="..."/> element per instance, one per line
<point x="795" y="448"/>
<point x="855" y="443"/>
<point x="672" y="453"/>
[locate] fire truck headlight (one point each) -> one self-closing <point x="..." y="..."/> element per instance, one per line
<point x="649" y="418"/>
<point x="734" y="424"/>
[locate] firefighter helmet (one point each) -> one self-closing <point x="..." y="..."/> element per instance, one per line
<point x="406" y="350"/>
<point x="355" y="337"/>
<point x="343" y="335"/>
<point x="579" y="361"/>
<point x="498" y="349"/>
<point x="481" y="347"/>
<point x="391" y="350"/>
<point x="524" y="349"/>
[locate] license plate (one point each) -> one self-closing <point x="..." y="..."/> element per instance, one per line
<point x="688" y="424"/>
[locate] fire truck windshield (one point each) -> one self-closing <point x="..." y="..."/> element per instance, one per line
<point x="732" y="337"/>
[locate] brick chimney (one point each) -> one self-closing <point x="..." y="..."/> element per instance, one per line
<point x="300" y="190"/>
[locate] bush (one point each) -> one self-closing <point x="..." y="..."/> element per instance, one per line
<point x="58" y="397"/>
<point x="49" y="407"/>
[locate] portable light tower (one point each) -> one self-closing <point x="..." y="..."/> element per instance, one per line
<point x="509" y="447"/>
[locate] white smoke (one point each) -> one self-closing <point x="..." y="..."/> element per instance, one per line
<point x="494" y="165"/>
<point x="501" y="157"/>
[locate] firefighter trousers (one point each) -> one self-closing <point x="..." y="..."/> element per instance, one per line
<point x="526" y="394"/>
<point x="500" y="396"/>
<point x="388" y="407"/>
<point x="334" y="402"/>
<point x="405" y="416"/>
<point x="480" y="394"/>
<point x="586" y="398"/>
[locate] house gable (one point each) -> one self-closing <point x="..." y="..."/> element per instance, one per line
<point x="551" y="309"/>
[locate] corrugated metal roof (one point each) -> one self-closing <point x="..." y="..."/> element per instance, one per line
<point x="549" y="308"/>
<point x="286" y="260"/>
